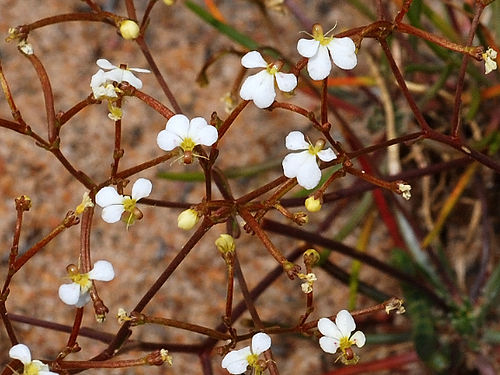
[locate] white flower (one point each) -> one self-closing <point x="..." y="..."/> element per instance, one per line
<point x="309" y="279"/>
<point x="77" y="293"/>
<point x="405" y="190"/>
<point x="180" y="132"/>
<point x="31" y="367"/>
<point x="260" y="87"/>
<point x="117" y="74"/>
<point x="489" y="60"/>
<point x="338" y="336"/>
<point x="303" y="164"/>
<point x="114" y="204"/>
<point x="237" y="361"/>
<point x="319" y="50"/>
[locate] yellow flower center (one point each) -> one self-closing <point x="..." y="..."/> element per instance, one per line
<point x="345" y="343"/>
<point x="318" y="146"/>
<point x="129" y="204"/>
<point x="272" y="69"/>
<point x="187" y="144"/>
<point x="252" y="360"/>
<point x="319" y="36"/>
<point x="81" y="279"/>
<point x="31" y="369"/>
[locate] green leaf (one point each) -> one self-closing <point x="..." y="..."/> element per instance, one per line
<point x="224" y="28"/>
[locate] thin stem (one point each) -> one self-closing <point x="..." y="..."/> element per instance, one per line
<point x="339" y="247"/>
<point x="163" y="84"/>
<point x="456" y="119"/>
<point x="67" y="222"/>
<point x="47" y="95"/>
<point x="402" y="85"/>
<point x="217" y="335"/>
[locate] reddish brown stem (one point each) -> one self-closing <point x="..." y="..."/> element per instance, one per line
<point x="163" y="84"/>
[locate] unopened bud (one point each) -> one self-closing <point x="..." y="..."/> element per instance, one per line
<point x="225" y="244"/>
<point x="312" y="204"/>
<point x="188" y="219"/>
<point x="311" y="257"/>
<point x="129" y="30"/>
<point x="301" y="218"/>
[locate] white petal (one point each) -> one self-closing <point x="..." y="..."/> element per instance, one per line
<point x="139" y="70"/>
<point x="20" y="352"/>
<point x="129" y="77"/>
<point x="253" y="59"/>
<point x="359" y="338"/>
<point x="286" y="81"/>
<point x="178" y="124"/>
<point x="307" y="47"/>
<point x="69" y="293"/>
<point x="260" y="343"/>
<point x="259" y="88"/>
<point x="343" y="51"/>
<point x="167" y="140"/>
<point x="309" y="174"/>
<point x="43" y="369"/>
<point x="345" y="323"/>
<point x="102" y="271"/>
<point x="328" y="344"/>
<point x="202" y="133"/>
<point x="112" y="214"/>
<point x="105" y="64"/>
<point x="115" y="75"/>
<point x="319" y="65"/>
<point x="236" y="361"/>
<point x="328" y="328"/>
<point x="295" y="141"/>
<point x="83" y="300"/>
<point x="98" y="79"/>
<point x="327" y="155"/>
<point x="141" y="189"/>
<point x="108" y="196"/>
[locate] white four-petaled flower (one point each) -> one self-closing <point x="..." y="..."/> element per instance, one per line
<point x="77" y="293"/>
<point x="303" y="164"/>
<point x="31" y="367"/>
<point x="338" y="336"/>
<point x="180" y="132"/>
<point x="116" y="74"/>
<point x="237" y="361"/>
<point x="114" y="204"/>
<point x="319" y="49"/>
<point x="260" y="87"/>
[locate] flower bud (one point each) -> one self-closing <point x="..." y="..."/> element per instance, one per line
<point x="169" y="2"/>
<point x="129" y="29"/>
<point x="188" y="219"/>
<point x="313" y="204"/>
<point x="311" y="257"/>
<point x="225" y="244"/>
